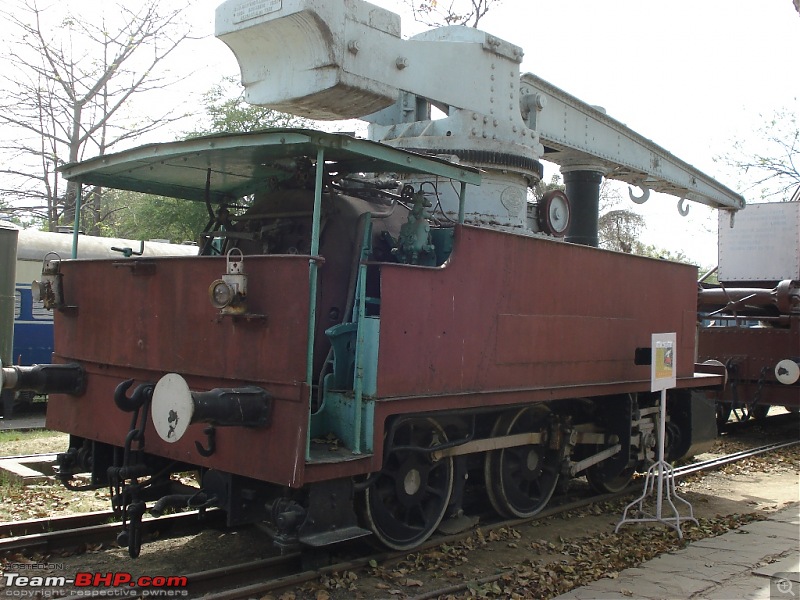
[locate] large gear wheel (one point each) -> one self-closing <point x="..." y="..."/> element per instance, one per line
<point x="487" y="157"/>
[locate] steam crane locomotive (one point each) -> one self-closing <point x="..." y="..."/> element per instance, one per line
<point x="375" y="329"/>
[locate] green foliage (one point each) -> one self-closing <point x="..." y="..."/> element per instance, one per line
<point x="14" y="435"/>
<point x="620" y="230"/>
<point x="139" y="216"/>
<point x="662" y="253"/>
<point x="8" y="214"/>
<point x="72" y="73"/>
<point x="143" y="217"/>
<point x="227" y="112"/>
<point x="708" y="277"/>
<point x="542" y="187"/>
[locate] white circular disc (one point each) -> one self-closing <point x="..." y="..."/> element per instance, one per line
<point x="787" y="371"/>
<point x="554" y="213"/>
<point x="172" y="407"/>
<point x="559" y="215"/>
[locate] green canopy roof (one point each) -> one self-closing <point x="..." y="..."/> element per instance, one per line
<point x="244" y="163"/>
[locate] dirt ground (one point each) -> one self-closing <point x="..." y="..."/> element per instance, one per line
<point x="541" y="559"/>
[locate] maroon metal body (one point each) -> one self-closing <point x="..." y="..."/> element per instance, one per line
<point x="751" y="354"/>
<point x="508" y="319"/>
<point x="513" y="312"/>
<point x="150" y="318"/>
<point x="751" y="330"/>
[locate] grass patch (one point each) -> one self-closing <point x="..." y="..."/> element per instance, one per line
<point x="37" y="441"/>
<point x="12" y="435"/>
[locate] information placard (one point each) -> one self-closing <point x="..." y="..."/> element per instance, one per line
<point x="662" y="369"/>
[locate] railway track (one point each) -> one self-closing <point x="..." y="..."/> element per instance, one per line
<point x="43" y="535"/>
<point x="735" y="425"/>
<point x="260" y="577"/>
<point x="309" y="575"/>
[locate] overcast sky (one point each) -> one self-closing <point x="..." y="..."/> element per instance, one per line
<point x="691" y="75"/>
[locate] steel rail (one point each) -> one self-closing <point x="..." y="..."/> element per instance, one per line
<point x="72" y="530"/>
<point x="241" y="576"/>
<point x="678" y="473"/>
<point x="56" y="523"/>
<point x="721" y="461"/>
<point x="256" y="589"/>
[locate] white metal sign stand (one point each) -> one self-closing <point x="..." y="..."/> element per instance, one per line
<point x="662" y="377"/>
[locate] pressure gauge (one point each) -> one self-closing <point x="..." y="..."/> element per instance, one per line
<point x="554" y="213"/>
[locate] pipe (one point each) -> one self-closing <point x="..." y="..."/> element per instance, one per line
<point x="44" y="379"/>
<point x="583" y="191"/>
<point x="785" y="297"/>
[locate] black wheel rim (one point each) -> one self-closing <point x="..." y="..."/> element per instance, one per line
<point x="522" y="479"/>
<point x="407" y="501"/>
<point x="601" y="481"/>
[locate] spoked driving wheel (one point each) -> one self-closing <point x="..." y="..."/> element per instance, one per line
<point x="609" y="482"/>
<point x="406" y="502"/>
<point x="521" y="480"/>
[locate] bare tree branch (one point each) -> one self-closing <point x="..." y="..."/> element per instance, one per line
<point x="435" y="13"/>
<point x="773" y="169"/>
<point x="69" y="88"/>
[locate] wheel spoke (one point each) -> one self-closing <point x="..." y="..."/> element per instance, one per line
<point x="601" y="481"/>
<point x="434" y="491"/>
<point x="406" y="503"/>
<point x="520" y="480"/>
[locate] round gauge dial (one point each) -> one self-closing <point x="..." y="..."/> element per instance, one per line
<point x="554" y="213"/>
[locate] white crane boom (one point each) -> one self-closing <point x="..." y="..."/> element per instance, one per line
<point x="338" y="59"/>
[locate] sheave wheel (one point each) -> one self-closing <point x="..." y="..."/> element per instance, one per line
<point x="406" y="502"/>
<point x="521" y="480"/>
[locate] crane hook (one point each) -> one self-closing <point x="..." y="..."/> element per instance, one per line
<point x="683" y="210"/>
<point x="639" y="199"/>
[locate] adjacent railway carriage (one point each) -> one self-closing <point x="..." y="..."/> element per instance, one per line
<point x="32" y="322"/>
<point x="371" y="334"/>
<point x="751" y="319"/>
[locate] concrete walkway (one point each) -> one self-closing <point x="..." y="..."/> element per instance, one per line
<point x="760" y="560"/>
